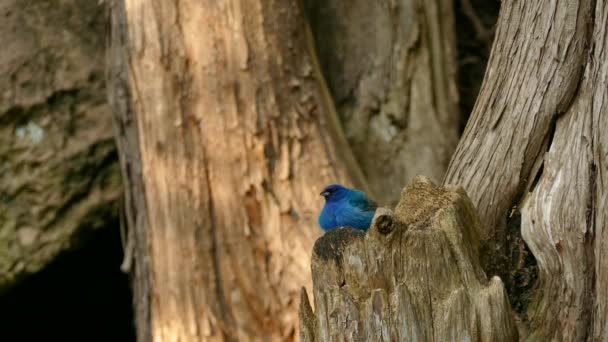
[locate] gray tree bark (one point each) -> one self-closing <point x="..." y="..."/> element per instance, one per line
<point x="415" y="276"/>
<point x="536" y="147"/>
<point x="226" y="133"/>
<point x="59" y="179"/>
<point x="391" y="68"/>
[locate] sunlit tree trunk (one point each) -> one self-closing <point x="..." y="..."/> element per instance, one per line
<point x="391" y="67"/>
<point x="534" y="157"/>
<point x="227" y="134"/>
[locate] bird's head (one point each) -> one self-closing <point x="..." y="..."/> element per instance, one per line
<point x="334" y="192"/>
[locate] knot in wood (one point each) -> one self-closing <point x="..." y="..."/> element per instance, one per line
<point x="385" y="224"/>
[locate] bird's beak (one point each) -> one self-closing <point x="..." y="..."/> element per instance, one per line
<point x="324" y="193"/>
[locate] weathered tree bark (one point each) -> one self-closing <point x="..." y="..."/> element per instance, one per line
<point x="536" y="147"/>
<point x="59" y="180"/>
<point x="391" y="67"/>
<point x="225" y="131"/>
<point x="415" y="276"/>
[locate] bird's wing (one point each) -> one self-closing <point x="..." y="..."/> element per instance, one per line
<point x="357" y="212"/>
<point x="354" y="216"/>
<point x="360" y="201"/>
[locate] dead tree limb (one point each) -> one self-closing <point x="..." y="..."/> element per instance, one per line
<point x="415" y="276"/>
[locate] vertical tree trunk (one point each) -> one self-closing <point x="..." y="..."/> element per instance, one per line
<point x="536" y="146"/>
<point x="230" y="134"/>
<point x="135" y="215"/>
<point x="391" y="67"/>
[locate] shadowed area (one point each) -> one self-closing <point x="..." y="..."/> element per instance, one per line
<point x="81" y="296"/>
<point x="475" y="23"/>
<point x="330" y="245"/>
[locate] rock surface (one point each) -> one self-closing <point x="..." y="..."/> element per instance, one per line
<point x="59" y="179"/>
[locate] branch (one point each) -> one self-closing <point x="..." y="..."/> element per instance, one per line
<point x="483" y="34"/>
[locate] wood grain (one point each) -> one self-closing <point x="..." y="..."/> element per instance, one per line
<point x="416" y="279"/>
<point x="536" y="146"/>
<point x="227" y="134"/>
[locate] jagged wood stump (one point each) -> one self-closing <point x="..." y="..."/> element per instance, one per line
<point x="415" y="276"/>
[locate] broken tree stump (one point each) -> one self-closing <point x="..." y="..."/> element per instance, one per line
<point x="414" y="276"/>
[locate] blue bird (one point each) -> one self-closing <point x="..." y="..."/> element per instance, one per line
<point x="346" y="207"/>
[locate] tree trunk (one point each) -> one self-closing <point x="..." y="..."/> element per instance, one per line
<point x="59" y="179"/>
<point x="415" y="276"/>
<point x="536" y="147"/>
<point x="226" y="131"/>
<point x="391" y="67"/>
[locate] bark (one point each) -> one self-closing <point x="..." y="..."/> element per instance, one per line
<point x="225" y="130"/>
<point x="391" y="67"/>
<point x="535" y="147"/>
<point x="59" y="180"/>
<point x="415" y="276"/>
<point x="134" y="214"/>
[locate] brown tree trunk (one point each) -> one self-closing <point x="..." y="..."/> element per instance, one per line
<point x="226" y="133"/>
<point x="59" y="180"/>
<point x="391" y="67"/>
<point x="536" y="147"/>
<point x="415" y="276"/>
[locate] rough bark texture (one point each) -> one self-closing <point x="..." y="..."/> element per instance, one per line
<point x="415" y="276"/>
<point x="230" y="132"/>
<point x="59" y="179"/>
<point x="135" y="216"/>
<point x="391" y="67"/>
<point x="536" y="147"/>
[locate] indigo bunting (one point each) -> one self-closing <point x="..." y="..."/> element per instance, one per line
<point x="346" y="207"/>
